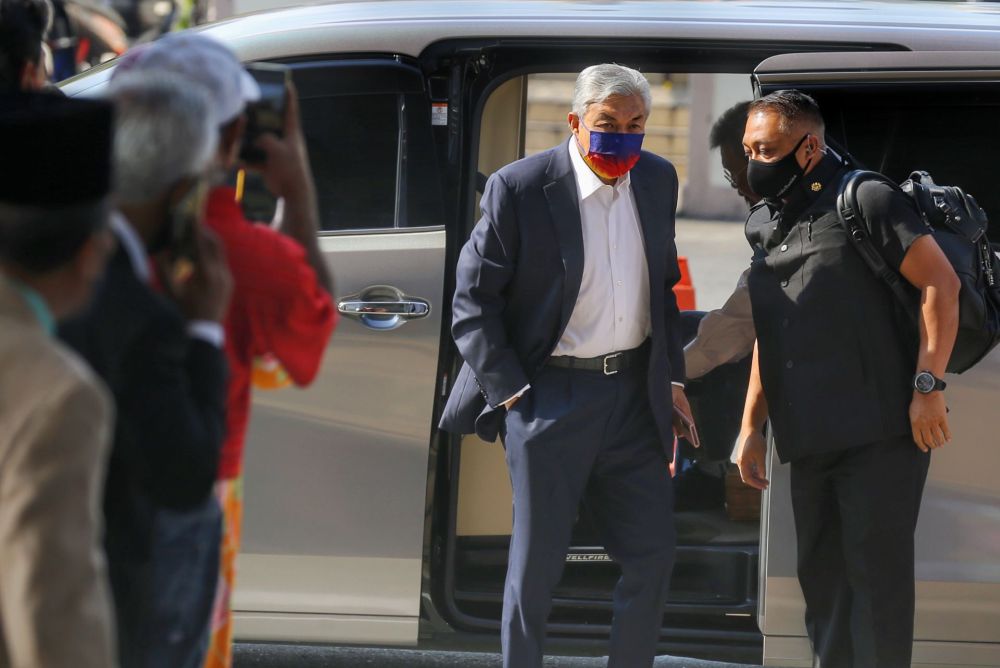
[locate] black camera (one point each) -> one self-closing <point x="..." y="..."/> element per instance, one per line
<point x="268" y="113"/>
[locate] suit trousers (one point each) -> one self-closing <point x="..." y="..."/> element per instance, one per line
<point x="855" y="516"/>
<point x="583" y="436"/>
<point x="185" y="576"/>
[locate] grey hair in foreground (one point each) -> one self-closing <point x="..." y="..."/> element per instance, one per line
<point x="599" y="82"/>
<point x="163" y="133"/>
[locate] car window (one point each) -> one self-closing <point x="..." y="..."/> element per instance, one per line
<point x="951" y="133"/>
<point x="353" y="145"/>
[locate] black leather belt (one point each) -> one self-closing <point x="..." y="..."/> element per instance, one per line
<point x="609" y="364"/>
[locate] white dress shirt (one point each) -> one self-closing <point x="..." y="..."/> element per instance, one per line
<point x="205" y="330"/>
<point x="612" y="308"/>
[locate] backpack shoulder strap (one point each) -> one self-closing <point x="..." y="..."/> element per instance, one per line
<point x="859" y="233"/>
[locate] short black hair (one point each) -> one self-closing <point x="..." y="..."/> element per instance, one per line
<point x="23" y="26"/>
<point x="793" y="106"/>
<point x="728" y="129"/>
<point x="41" y="239"/>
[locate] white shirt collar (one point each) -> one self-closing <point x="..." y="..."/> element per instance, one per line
<point x="133" y="245"/>
<point x="587" y="182"/>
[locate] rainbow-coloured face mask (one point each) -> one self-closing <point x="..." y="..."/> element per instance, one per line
<point x="612" y="154"/>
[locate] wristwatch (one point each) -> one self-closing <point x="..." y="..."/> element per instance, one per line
<point x="925" y="382"/>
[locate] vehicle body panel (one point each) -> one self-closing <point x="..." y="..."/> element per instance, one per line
<point x="354" y="445"/>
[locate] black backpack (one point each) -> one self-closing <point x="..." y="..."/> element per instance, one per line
<point x="959" y="226"/>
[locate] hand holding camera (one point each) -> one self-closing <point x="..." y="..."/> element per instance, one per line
<point x="273" y="144"/>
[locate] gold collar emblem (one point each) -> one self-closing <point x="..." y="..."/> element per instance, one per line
<point x="816" y="186"/>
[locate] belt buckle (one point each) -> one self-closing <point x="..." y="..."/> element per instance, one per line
<point x="610" y="357"/>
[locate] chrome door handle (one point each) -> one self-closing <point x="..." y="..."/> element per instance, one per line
<point x="404" y="309"/>
<point x="383" y="307"/>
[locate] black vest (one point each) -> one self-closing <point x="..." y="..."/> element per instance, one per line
<point x="835" y="369"/>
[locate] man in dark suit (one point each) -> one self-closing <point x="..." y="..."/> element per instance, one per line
<point x="565" y="316"/>
<point x="161" y="357"/>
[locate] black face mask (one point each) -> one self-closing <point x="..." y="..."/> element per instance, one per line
<point x="774" y="180"/>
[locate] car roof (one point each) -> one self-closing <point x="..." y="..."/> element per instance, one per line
<point x="408" y="27"/>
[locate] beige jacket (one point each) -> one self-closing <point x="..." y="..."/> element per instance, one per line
<point x="725" y="335"/>
<point x="55" y="421"/>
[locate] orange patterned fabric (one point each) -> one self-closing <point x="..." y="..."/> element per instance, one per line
<point x="220" y="649"/>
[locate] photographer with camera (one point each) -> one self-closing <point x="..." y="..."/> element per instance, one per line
<point x="282" y="306"/>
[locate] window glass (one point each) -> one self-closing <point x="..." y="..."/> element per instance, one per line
<point x="353" y="148"/>
<point x="950" y="133"/>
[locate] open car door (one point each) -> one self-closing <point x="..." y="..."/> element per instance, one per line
<point x="894" y="113"/>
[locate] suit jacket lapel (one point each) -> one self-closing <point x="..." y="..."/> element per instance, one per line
<point x="649" y="205"/>
<point x="564" y="207"/>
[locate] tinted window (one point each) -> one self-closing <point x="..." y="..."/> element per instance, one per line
<point x="952" y="133"/>
<point x="354" y="151"/>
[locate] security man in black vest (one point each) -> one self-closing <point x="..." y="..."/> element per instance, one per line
<point x="853" y="407"/>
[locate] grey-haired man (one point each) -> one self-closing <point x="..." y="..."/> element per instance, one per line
<point x="162" y="358"/>
<point x="565" y="316"/>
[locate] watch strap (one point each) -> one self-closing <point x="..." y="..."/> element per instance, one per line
<point x="938" y="386"/>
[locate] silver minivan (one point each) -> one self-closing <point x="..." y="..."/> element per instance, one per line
<point x="364" y="523"/>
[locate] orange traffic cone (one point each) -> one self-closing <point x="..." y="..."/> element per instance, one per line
<point x="684" y="290"/>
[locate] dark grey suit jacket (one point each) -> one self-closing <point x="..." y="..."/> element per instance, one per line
<point x="519" y="275"/>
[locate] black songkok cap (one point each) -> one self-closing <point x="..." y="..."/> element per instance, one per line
<point x="54" y="151"/>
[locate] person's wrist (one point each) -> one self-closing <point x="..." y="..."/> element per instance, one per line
<point x="294" y="188"/>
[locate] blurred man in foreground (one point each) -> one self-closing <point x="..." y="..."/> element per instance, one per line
<point x="162" y="357"/>
<point x="55" y="415"/>
<point x="282" y="306"/>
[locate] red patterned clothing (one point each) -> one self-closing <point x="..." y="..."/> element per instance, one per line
<point x="278" y="308"/>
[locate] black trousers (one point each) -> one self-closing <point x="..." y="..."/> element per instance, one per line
<point x="855" y="515"/>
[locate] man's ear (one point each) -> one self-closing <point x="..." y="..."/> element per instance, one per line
<point x="813" y="144"/>
<point x="93" y="256"/>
